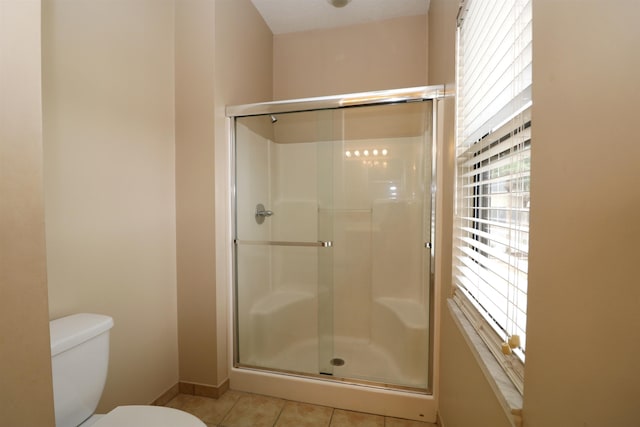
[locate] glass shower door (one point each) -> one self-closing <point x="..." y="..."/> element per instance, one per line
<point x="333" y="243"/>
<point x="381" y="218"/>
<point x="283" y="246"/>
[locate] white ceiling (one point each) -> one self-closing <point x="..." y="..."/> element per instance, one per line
<point x="288" y="16"/>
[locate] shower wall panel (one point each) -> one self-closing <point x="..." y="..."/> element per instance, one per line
<point x="295" y="219"/>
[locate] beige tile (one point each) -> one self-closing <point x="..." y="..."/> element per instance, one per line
<point x="211" y="411"/>
<point x="254" y="411"/>
<point x="295" y="414"/>
<point x="343" y="418"/>
<point x="397" y="422"/>
<point x="208" y="391"/>
<point x="186" y="388"/>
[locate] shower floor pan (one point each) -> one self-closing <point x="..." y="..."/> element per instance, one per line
<point x="364" y="362"/>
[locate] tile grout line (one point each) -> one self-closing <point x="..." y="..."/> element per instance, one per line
<point x="229" y="411"/>
<point x="333" y="411"/>
<point x="279" y="413"/>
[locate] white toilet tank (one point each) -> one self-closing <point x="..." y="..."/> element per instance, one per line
<point x="79" y="361"/>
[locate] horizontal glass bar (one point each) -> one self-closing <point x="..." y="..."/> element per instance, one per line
<point x="319" y="244"/>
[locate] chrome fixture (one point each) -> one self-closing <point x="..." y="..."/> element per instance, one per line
<point x="273" y="118"/>
<point x="262" y="213"/>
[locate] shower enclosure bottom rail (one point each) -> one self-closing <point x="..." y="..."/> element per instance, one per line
<point x="337" y="379"/>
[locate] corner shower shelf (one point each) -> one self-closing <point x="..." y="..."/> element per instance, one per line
<point x="276" y="301"/>
<point x="409" y="312"/>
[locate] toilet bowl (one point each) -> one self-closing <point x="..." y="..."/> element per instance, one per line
<point x="79" y="361"/>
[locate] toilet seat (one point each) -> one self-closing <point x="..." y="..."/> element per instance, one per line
<point x="147" y="416"/>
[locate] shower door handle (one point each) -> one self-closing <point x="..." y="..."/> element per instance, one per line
<point x="264" y="213"/>
<point x="261" y="211"/>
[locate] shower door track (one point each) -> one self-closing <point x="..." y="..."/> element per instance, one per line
<point x="338" y="379"/>
<point x="394" y="96"/>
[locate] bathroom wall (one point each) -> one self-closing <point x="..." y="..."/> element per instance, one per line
<point x="194" y="67"/>
<point x="109" y="163"/>
<point x="376" y="56"/>
<point x="26" y="394"/>
<point x="583" y="323"/>
<point x="223" y="57"/>
<point x="583" y="330"/>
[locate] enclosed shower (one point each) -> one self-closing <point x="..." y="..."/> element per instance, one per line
<point x="333" y="238"/>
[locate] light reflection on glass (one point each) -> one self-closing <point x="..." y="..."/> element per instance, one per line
<point x="366" y="152"/>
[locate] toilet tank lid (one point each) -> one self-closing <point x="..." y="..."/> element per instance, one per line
<point x="69" y="331"/>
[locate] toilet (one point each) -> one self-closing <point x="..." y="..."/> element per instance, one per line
<point x="79" y="361"/>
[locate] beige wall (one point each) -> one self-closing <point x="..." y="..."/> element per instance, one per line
<point x="109" y="182"/>
<point x="583" y="318"/>
<point x="26" y="394"/>
<point x="195" y="50"/>
<point x="583" y="329"/>
<point x="229" y="62"/>
<point x="384" y="55"/>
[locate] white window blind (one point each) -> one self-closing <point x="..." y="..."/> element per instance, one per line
<point x="491" y="241"/>
<point x="494" y="64"/>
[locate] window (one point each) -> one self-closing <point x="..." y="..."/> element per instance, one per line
<point x="493" y="114"/>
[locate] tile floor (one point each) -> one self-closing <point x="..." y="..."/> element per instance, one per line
<point x="238" y="409"/>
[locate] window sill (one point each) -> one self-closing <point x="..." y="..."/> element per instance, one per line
<point x="507" y="394"/>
